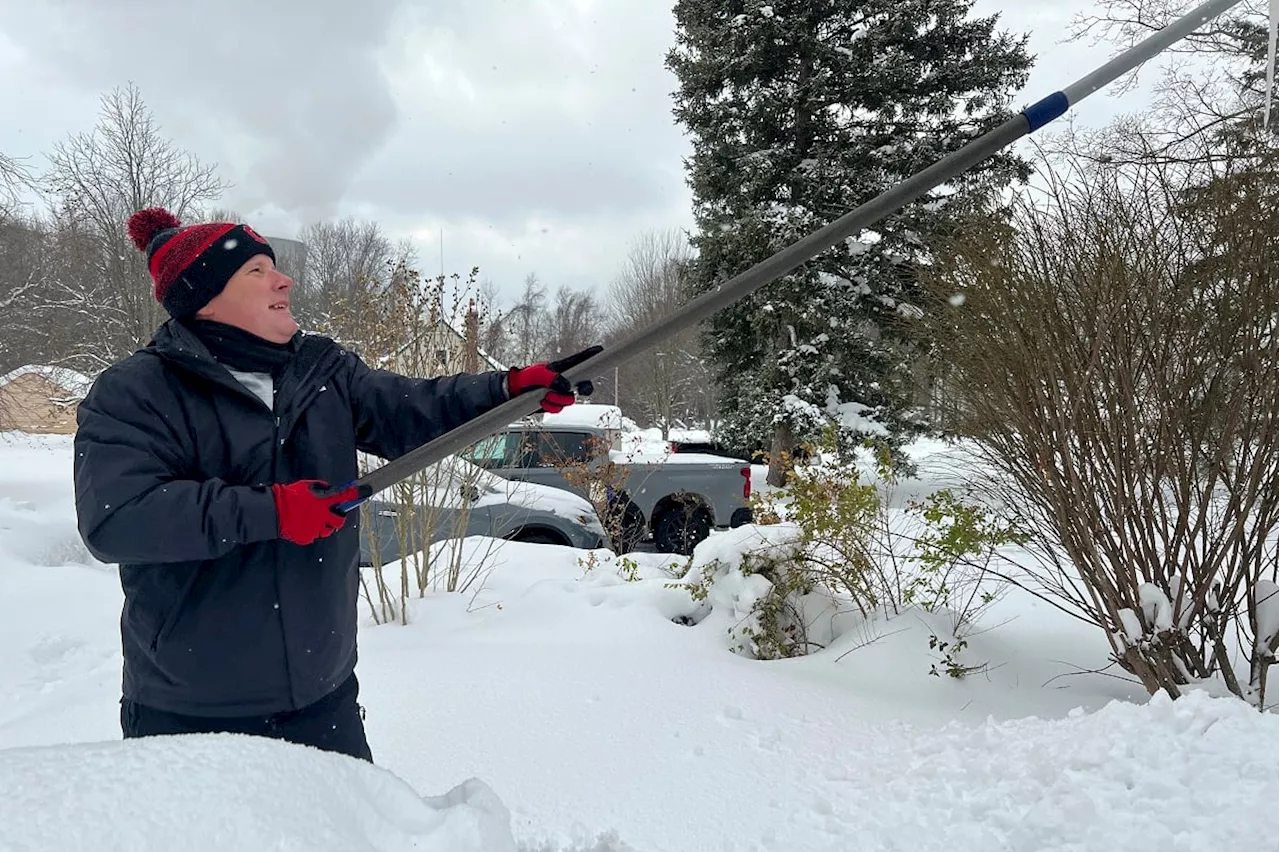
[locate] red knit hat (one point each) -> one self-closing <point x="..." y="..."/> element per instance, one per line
<point x="191" y="265"/>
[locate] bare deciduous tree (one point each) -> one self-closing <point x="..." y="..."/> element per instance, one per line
<point x="221" y="214"/>
<point x="24" y="243"/>
<point x="15" y="176"/>
<point x="527" y="324"/>
<point x="1116" y="352"/>
<point x="97" y="180"/>
<point x="576" y="321"/>
<point x="671" y="383"/>
<point x="1212" y="82"/>
<point x="492" y="322"/>
<point x="347" y="263"/>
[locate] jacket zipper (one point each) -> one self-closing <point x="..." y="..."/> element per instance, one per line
<point x="275" y="567"/>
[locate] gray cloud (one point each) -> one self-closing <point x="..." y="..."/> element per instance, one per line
<point x="510" y="116"/>
<point x="536" y="133"/>
<point x="289" y="98"/>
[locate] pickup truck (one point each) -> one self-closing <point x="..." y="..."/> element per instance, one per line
<point x="673" y="499"/>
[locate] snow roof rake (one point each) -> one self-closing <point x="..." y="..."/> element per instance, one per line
<point x="788" y="259"/>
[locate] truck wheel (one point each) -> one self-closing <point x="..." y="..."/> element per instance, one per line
<point x="681" y="528"/>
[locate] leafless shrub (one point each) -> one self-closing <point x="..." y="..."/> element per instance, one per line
<point x="410" y="326"/>
<point x="1115" y="349"/>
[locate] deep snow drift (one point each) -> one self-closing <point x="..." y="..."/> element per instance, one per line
<point x="219" y="792"/>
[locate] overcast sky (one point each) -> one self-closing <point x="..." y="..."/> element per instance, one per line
<point x="537" y="134"/>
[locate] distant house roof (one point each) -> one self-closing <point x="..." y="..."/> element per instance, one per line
<point x="75" y="384"/>
<point x="447" y="324"/>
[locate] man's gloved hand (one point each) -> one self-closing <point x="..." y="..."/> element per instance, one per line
<point x="549" y="375"/>
<point x="307" y="509"/>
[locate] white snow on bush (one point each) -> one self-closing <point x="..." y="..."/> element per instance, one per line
<point x="1267" y="596"/>
<point x="1156" y="607"/>
<point x="1131" y="625"/>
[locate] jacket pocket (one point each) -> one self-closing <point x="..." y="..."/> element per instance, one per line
<point x="175" y="611"/>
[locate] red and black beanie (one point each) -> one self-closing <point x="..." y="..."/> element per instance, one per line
<point x="191" y="265"/>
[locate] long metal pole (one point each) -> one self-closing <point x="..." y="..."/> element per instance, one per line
<point x="852" y="223"/>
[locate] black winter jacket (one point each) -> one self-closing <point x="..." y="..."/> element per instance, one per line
<point x="173" y="463"/>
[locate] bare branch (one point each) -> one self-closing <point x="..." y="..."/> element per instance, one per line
<point x="1115" y="356"/>
<point x="673" y="384"/>
<point x="96" y="180"/>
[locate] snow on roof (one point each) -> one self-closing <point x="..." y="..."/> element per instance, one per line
<point x="588" y="415"/>
<point x="76" y="384"/>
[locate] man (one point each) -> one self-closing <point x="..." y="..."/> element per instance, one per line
<point x="203" y="465"/>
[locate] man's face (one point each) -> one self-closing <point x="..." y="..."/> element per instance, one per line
<point x="256" y="300"/>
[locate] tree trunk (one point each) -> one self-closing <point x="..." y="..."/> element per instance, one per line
<point x="471" y="352"/>
<point x="780" y="454"/>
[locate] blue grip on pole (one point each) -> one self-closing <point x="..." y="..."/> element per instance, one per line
<point x="1045" y="110"/>
<point x="346" y="507"/>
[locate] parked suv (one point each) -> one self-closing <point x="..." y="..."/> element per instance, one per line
<point x="470" y="501"/>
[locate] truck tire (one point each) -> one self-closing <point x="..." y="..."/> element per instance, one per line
<point x="681" y="528"/>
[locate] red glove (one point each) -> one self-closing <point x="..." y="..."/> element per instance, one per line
<point x="549" y="375"/>
<point x="307" y="510"/>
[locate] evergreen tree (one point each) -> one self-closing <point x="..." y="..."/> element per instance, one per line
<point x="799" y="111"/>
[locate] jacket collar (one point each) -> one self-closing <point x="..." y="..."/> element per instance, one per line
<point x="316" y="361"/>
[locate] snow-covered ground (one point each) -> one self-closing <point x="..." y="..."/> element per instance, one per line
<point x="562" y="709"/>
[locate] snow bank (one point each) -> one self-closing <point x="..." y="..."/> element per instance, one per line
<point x="594" y="704"/>
<point x="690" y="436"/>
<point x="220" y="792"/>
<point x="595" y="717"/>
<point x="1195" y="774"/>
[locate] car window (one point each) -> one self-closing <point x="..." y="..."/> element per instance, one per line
<point x="530" y="449"/>
<point x="494" y="451"/>
<point x="557" y="448"/>
<point x="523" y="450"/>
